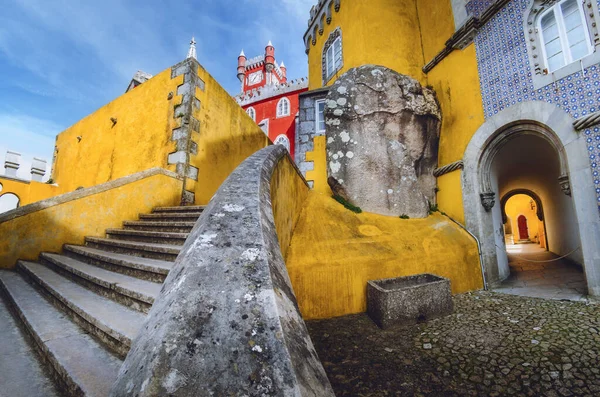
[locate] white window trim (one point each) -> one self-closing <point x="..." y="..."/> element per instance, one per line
<point x="334" y="37"/>
<point x="281" y="112"/>
<point x="252" y="113"/>
<point x="562" y="34"/>
<point x="318" y="131"/>
<point x="535" y="46"/>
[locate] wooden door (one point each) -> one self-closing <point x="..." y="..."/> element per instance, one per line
<point x="523" y="233"/>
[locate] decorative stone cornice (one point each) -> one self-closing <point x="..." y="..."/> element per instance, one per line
<point x="465" y="34"/>
<point x="319" y="15"/>
<point x="587" y="121"/>
<point x="565" y="184"/>
<point x="488" y="200"/>
<point x="446" y="169"/>
<point x="259" y="94"/>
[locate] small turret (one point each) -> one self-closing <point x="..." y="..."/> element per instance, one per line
<point x="284" y="71"/>
<point x="241" y="69"/>
<point x="269" y="57"/>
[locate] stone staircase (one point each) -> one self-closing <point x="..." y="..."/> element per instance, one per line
<point x="82" y="308"/>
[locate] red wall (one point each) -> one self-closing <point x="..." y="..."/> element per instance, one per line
<point x="267" y="109"/>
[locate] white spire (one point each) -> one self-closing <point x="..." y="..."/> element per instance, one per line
<point x="192" y="51"/>
<point x="282" y="65"/>
<point x="269" y="45"/>
<point x="242" y="54"/>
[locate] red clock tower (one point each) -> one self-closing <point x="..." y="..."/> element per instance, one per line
<point x="268" y="97"/>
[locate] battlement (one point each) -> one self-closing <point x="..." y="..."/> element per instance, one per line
<point x="12" y="163"/>
<point x="258" y="94"/>
<point x="258" y="61"/>
<point x="319" y="14"/>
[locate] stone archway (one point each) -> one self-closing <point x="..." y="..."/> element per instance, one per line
<point x="553" y="125"/>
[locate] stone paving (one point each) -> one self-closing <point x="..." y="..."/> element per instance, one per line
<point x="493" y="345"/>
<point x="558" y="279"/>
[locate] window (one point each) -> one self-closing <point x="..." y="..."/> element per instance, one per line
<point x="283" y="107"/>
<point x="282" y="140"/>
<point x="561" y="37"/>
<point x="8" y="201"/>
<point x="564" y="35"/>
<point x="252" y="113"/>
<point x="320" y="116"/>
<point x="332" y="55"/>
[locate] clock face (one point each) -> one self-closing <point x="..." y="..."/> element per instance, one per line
<point x="255" y="78"/>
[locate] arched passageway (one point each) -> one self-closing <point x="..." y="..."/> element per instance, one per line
<point x="8" y="201"/>
<point x="533" y="150"/>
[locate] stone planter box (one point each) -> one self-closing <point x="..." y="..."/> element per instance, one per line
<point x="408" y="300"/>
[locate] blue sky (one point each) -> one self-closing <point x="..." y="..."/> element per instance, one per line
<point x="63" y="59"/>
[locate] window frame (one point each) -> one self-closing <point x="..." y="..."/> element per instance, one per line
<point x="253" y="115"/>
<point x="556" y="9"/>
<point x="318" y="130"/>
<point x="335" y="38"/>
<point x="536" y="49"/>
<point x="281" y="112"/>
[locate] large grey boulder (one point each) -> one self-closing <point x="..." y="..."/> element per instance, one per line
<point x="383" y="132"/>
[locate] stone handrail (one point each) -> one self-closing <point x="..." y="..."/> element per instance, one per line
<point x="226" y="321"/>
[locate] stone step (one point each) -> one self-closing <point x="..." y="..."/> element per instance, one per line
<point x="146" y="236"/>
<point x="172" y="217"/>
<point x="135" y="248"/>
<point x="114" y="324"/>
<point x="18" y="356"/>
<point x="181" y="209"/>
<point x="179" y="227"/>
<point x="130" y="291"/>
<point x="143" y="268"/>
<point x="78" y="361"/>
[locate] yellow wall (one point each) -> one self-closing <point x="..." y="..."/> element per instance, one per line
<point x="227" y="137"/>
<point x="380" y="32"/>
<point x="334" y="252"/>
<point x="68" y="223"/>
<point x="288" y="194"/>
<point x="319" y="173"/>
<point x="28" y="192"/>
<point x="520" y="204"/>
<point x="140" y="140"/>
<point x="449" y="196"/>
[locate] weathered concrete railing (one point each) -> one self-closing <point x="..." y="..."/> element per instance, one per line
<point x="226" y="322"/>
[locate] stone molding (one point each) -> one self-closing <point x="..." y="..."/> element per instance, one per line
<point x="448" y="168"/>
<point x="539" y="210"/>
<point x="587" y="121"/>
<point x="320" y="14"/>
<point x="187" y="124"/>
<point x="465" y="34"/>
<point x="90" y="191"/>
<point x="226" y="321"/>
<point x="565" y="184"/>
<point x="266" y="92"/>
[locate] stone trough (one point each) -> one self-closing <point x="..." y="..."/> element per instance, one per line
<point x="408" y="300"/>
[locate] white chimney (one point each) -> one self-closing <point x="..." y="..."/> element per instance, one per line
<point x="12" y="162"/>
<point x="38" y="169"/>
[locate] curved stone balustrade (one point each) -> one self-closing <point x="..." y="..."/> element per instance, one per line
<point x="226" y="321"/>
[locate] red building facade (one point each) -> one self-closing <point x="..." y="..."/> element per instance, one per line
<point x="269" y="98"/>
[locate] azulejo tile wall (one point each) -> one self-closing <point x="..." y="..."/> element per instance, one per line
<point x="505" y="74"/>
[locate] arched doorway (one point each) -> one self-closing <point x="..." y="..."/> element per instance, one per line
<point x="523" y="228"/>
<point x="8" y="201"/>
<point x="532" y="145"/>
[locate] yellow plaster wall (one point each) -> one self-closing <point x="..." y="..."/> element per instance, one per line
<point x="28" y="192"/>
<point x="68" y="223"/>
<point x="95" y="151"/>
<point x="288" y="194"/>
<point x="449" y="196"/>
<point x="319" y="158"/>
<point x="380" y="32"/>
<point x="227" y="137"/>
<point x="334" y="252"/>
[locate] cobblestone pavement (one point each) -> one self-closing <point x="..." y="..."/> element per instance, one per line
<point x="493" y="345"/>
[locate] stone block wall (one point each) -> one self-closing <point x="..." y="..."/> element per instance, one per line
<point x="306" y="130"/>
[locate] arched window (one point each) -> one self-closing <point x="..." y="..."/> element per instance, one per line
<point x="561" y="36"/>
<point x="252" y="113"/>
<point x="564" y="34"/>
<point x="8" y="202"/>
<point x="283" y="107"/>
<point x="282" y="140"/>
<point x="332" y="55"/>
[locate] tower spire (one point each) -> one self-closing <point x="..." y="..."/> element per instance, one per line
<point x="192" y="51"/>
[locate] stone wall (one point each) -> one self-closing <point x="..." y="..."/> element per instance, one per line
<point x="306" y="130"/>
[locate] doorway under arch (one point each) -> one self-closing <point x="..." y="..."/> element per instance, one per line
<point x="532" y="146"/>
